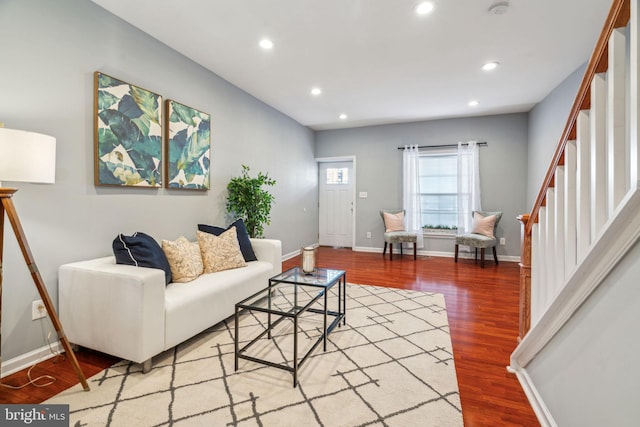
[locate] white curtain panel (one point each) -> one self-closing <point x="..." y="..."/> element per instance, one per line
<point x="468" y="184"/>
<point x="411" y="191"/>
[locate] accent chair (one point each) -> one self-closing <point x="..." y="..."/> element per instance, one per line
<point x="394" y="232"/>
<point x="482" y="235"/>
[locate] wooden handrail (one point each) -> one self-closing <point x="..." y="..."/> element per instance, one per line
<point x="619" y="16"/>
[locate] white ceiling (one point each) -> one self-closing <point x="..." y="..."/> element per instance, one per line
<point x="376" y="60"/>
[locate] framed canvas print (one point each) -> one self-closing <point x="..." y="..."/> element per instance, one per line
<point x="188" y="147"/>
<point x="127" y="134"/>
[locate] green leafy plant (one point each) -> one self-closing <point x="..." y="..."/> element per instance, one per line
<point x="439" y="227"/>
<point x="249" y="201"/>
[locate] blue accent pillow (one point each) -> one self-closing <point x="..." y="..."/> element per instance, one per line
<point x="141" y="250"/>
<point x="241" y="232"/>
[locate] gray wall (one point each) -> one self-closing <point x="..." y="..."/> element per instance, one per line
<point x="49" y="54"/>
<point x="588" y="373"/>
<point x="546" y="123"/>
<point x="503" y="169"/>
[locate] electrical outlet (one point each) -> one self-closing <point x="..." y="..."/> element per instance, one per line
<point x="38" y="310"/>
<point x="368" y="234"/>
<point x="503" y="241"/>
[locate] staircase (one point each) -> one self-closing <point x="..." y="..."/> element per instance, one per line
<point x="585" y="219"/>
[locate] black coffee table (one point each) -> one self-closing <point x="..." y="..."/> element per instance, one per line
<point x="289" y="295"/>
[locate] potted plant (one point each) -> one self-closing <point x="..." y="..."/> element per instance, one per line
<point x="440" y="229"/>
<point x="249" y="201"/>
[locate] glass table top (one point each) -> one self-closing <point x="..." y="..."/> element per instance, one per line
<point x="293" y="291"/>
<point x="319" y="277"/>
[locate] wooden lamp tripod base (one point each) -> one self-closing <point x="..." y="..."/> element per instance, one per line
<point x="7" y="205"/>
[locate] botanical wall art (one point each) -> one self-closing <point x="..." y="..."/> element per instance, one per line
<point x="188" y="147"/>
<point x="128" y="134"/>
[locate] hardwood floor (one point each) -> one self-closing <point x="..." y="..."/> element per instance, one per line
<point x="91" y="362"/>
<point x="482" y="306"/>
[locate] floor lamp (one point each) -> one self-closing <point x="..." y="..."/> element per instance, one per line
<point x="29" y="157"/>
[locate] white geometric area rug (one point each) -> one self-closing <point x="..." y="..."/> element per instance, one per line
<point x="390" y="365"/>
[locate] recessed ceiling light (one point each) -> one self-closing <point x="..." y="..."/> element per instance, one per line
<point x="424" y="8"/>
<point x="490" y="66"/>
<point x="473" y="103"/>
<point x="316" y="91"/>
<point x="343" y="116"/>
<point x="266" y="44"/>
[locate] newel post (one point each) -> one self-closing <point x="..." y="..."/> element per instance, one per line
<point x="525" y="277"/>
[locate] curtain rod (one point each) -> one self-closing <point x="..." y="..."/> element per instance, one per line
<point x="480" y="143"/>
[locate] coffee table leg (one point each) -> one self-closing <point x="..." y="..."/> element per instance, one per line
<point x="269" y="313"/>
<point x="340" y="308"/>
<point x="295" y="351"/>
<point x="325" y="332"/>
<point x="236" y="340"/>
<point x="344" y="299"/>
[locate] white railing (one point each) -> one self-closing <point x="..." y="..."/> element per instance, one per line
<point x="587" y="214"/>
<point x="589" y="182"/>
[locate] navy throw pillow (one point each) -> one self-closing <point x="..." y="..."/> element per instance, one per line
<point x="241" y="232"/>
<point x="141" y="250"/>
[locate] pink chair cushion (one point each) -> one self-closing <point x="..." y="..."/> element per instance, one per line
<point x="483" y="224"/>
<point x="394" y="222"/>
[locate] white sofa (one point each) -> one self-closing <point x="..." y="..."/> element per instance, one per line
<point x="129" y="312"/>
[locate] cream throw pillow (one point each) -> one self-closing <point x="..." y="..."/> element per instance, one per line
<point x="220" y="252"/>
<point x="184" y="259"/>
<point x="483" y="224"/>
<point x="394" y="222"/>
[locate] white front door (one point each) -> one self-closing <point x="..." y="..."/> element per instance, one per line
<point x="336" y="204"/>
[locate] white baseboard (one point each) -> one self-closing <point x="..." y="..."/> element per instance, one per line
<point x="290" y="255"/>
<point x="367" y="249"/>
<point x="461" y="254"/>
<point x="295" y="253"/>
<point x="506" y="258"/>
<point x="537" y="403"/>
<point x="29" y="359"/>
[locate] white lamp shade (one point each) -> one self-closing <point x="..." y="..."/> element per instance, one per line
<point x="27" y="156"/>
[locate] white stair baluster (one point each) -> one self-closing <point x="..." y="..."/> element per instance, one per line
<point x="616" y="162"/>
<point x="536" y="273"/>
<point x="583" y="193"/>
<point x="634" y="83"/>
<point x="558" y="230"/>
<point x="550" y="246"/>
<point x="570" y="237"/>
<point x="598" y="155"/>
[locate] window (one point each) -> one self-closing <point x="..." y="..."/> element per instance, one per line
<point x="337" y="176"/>
<point x="439" y="189"/>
